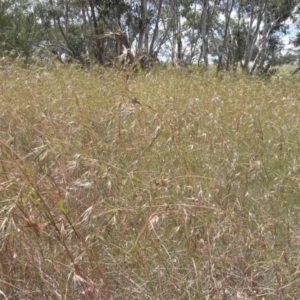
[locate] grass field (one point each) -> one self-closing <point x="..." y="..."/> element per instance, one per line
<point x="172" y="185"/>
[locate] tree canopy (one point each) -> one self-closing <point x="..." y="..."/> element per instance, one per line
<point x="248" y="33"/>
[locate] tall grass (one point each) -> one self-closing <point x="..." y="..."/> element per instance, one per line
<point x="171" y="185"/>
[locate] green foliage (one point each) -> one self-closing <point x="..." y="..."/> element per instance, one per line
<point x="286" y="59"/>
<point x="74" y="42"/>
<point x="20" y="30"/>
<point x="297" y="40"/>
<point x="70" y="27"/>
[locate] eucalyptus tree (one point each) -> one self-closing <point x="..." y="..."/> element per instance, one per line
<point x="226" y="53"/>
<point x="81" y="24"/>
<point x="192" y="29"/>
<point x="154" y="45"/>
<point x="126" y="21"/>
<point x="97" y="18"/>
<point x="296" y="42"/>
<point x="69" y="28"/>
<point x="274" y="23"/>
<point x="142" y="42"/>
<point x="204" y="32"/>
<point x="200" y="19"/>
<point x="263" y="21"/>
<point x="164" y="30"/>
<point x="171" y="28"/>
<point x="21" y="31"/>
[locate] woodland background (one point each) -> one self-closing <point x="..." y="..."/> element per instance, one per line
<point x="255" y="35"/>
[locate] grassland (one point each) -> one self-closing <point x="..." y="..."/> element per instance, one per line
<point x="174" y="185"/>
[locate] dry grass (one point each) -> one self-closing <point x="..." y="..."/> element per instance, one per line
<point x="174" y="185"/>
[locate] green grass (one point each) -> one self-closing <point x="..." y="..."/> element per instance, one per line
<point x="172" y="185"/>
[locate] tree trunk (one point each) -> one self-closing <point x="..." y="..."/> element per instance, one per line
<point x="67" y="20"/>
<point x="146" y="43"/>
<point x="228" y="11"/>
<point x="56" y="31"/>
<point x="253" y="32"/>
<point x="175" y="26"/>
<point x="193" y="39"/>
<point x="142" y="25"/>
<point x="179" y="47"/>
<point x="204" y="50"/>
<point x="99" y="48"/>
<point x="151" y="51"/>
<point x="265" y="37"/>
<point x="85" y="37"/>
